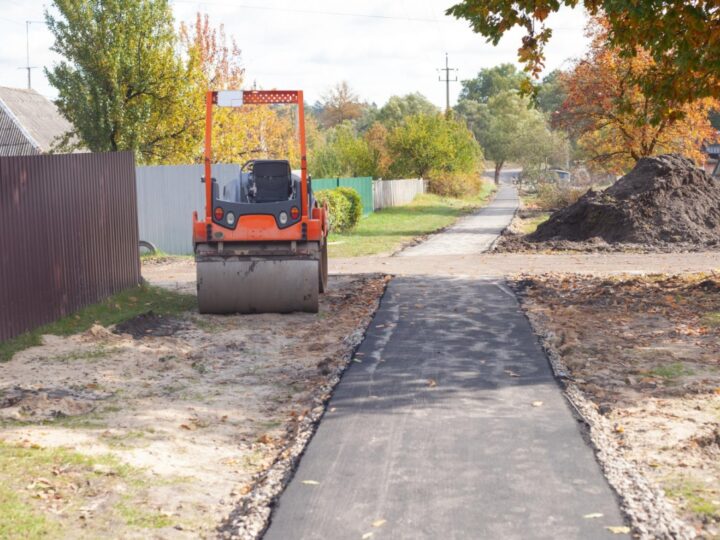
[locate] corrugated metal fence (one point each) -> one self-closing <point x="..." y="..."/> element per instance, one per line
<point x="388" y="193"/>
<point x="169" y="194"/>
<point x="167" y="197"/>
<point x="69" y="235"/>
<point x="363" y="185"/>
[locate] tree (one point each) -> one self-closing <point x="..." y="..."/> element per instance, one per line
<point x="239" y="134"/>
<point x="681" y="37"/>
<point x="551" y="92"/>
<point x="344" y="154"/>
<point x="425" y="143"/>
<point x="491" y="82"/>
<point x="120" y="82"/>
<point x="398" y="108"/>
<point x="616" y="123"/>
<point x="507" y="128"/>
<point x="339" y="104"/>
<point x="376" y="137"/>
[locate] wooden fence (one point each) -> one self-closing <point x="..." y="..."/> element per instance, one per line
<point x="387" y="193"/>
<point x="69" y="235"/>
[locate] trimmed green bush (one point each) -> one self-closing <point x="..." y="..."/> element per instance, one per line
<point x="339" y="208"/>
<point x="356" y="207"/>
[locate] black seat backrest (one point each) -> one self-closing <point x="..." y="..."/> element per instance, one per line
<point x="273" y="180"/>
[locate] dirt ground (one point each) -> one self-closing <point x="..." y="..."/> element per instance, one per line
<point x="646" y="352"/>
<point x="170" y="420"/>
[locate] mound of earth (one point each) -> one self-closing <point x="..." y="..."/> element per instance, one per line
<point x="663" y="200"/>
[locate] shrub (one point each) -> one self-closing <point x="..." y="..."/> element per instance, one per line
<point x="551" y="197"/>
<point x="356" y="208"/>
<point x="454" y="184"/>
<point x="339" y="208"/>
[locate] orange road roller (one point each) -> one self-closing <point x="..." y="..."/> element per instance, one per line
<point x="261" y="246"/>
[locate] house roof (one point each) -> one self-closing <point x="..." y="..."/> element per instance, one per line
<point x="31" y="123"/>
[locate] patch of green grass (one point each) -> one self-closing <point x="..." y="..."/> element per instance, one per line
<point x="118" y="308"/>
<point x="385" y="230"/>
<point x="26" y="473"/>
<point x="89" y="354"/>
<point x="162" y="257"/>
<point x="136" y="516"/>
<point x="694" y="496"/>
<point x="20" y="521"/>
<point x="529" y="225"/>
<point x="712" y="318"/>
<point x="672" y="371"/>
<point x="211" y="327"/>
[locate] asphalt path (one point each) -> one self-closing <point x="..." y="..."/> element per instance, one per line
<point x="448" y="424"/>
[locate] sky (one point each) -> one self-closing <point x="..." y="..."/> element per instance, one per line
<point x="380" y="48"/>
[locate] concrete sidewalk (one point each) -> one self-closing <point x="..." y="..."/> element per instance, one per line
<point x="448" y="425"/>
<point x="472" y="234"/>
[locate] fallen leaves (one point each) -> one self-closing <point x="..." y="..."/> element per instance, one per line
<point x="432" y="383"/>
<point x="593" y="515"/>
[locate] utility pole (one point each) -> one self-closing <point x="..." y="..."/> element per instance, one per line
<point x="447" y="80"/>
<point x="28" y="67"/>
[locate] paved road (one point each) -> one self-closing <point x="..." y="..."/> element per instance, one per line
<point x="448" y="425"/>
<point x="472" y="234"/>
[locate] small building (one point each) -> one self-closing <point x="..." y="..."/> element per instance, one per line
<point x="29" y="123"/>
<point x="712" y="157"/>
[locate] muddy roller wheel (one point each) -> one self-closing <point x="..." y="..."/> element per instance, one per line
<point x="257" y="286"/>
<point x="323" y="267"/>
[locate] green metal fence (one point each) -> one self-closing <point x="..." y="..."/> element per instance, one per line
<point x="363" y="185"/>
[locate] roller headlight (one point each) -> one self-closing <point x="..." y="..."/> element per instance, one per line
<point x="283" y="218"/>
<point x="230" y="218"/>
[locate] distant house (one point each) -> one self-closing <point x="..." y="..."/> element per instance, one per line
<point x="712" y="157"/>
<point x="29" y="123"/>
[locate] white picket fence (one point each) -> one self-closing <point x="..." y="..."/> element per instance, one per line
<point x="387" y="193"/>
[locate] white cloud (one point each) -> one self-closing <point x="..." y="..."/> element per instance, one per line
<point x="285" y="46"/>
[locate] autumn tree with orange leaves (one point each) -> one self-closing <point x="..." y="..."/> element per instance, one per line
<point x="239" y="134"/>
<point x="614" y="121"/>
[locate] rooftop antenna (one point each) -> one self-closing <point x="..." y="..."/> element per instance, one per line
<point x="28" y="67"/>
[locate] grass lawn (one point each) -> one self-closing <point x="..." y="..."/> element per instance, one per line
<point x="385" y="230"/>
<point x="45" y="491"/>
<point x="116" y="309"/>
<point x="530" y="224"/>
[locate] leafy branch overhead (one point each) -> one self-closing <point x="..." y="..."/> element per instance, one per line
<point x="682" y="38"/>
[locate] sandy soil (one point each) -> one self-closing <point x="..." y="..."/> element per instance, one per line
<point x="646" y="352"/>
<point x="200" y="404"/>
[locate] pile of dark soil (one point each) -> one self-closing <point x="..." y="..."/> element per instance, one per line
<point x="664" y="200"/>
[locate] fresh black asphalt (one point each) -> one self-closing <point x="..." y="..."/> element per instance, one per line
<point x="448" y="425"/>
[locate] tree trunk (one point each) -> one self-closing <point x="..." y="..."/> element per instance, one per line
<point x="498" y="168"/>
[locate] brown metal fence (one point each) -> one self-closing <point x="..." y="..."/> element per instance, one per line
<point x="68" y="235"/>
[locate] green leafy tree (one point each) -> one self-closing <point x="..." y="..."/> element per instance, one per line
<point x="120" y="82"/>
<point x="425" y="143"/>
<point x="398" y="108"/>
<point x="344" y="154"/>
<point x="681" y="37"/>
<point x="507" y="128"/>
<point x="551" y="92"/>
<point x="491" y="82"/>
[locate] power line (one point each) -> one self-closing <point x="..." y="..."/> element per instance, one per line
<point x="308" y="11"/>
<point x="447" y="80"/>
